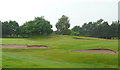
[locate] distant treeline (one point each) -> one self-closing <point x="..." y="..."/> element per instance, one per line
<point x="100" y="29"/>
<point x="40" y="26"/>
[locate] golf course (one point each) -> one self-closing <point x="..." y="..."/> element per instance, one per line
<point x="59" y="34"/>
<point x="59" y="53"/>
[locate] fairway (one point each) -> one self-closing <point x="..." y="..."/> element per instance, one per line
<point x="59" y="53"/>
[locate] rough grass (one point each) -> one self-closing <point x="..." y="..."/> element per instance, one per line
<point x="59" y="54"/>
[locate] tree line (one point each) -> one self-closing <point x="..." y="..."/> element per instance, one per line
<point x="41" y="26"/>
<point x="100" y="29"/>
<point x="38" y="26"/>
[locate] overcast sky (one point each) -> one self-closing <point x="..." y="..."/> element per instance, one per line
<point x="78" y="11"/>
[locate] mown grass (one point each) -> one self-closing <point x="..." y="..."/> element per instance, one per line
<point x="0" y="57"/>
<point x="60" y="54"/>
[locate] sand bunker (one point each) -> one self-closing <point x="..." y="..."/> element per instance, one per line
<point x="77" y="38"/>
<point x="24" y="46"/>
<point x="37" y="46"/>
<point x="81" y="38"/>
<point x="97" y="51"/>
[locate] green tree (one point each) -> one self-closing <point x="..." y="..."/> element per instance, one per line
<point x="87" y="29"/>
<point x="99" y="21"/>
<point x="14" y="28"/>
<point x="10" y="29"/>
<point x="119" y="30"/>
<point x="63" y="25"/>
<point x="0" y="29"/>
<point x="5" y="28"/>
<point x="38" y="26"/>
<point x="83" y="29"/>
<point x="76" y="29"/>
<point x="105" y="30"/>
<point x="114" y="29"/>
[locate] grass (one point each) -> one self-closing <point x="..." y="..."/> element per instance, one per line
<point x="0" y="57"/>
<point x="59" y="54"/>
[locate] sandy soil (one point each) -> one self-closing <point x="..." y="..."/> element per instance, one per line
<point x="97" y="51"/>
<point x="24" y="46"/>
